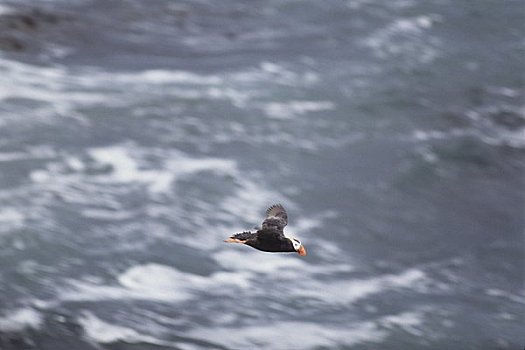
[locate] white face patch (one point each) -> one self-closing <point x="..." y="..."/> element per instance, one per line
<point x="296" y="243"/>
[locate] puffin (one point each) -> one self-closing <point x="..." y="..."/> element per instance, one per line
<point x="271" y="237"/>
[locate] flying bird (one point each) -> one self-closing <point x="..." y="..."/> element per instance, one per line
<point x="270" y="238"/>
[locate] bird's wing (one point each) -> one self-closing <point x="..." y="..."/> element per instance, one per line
<point x="242" y="237"/>
<point x="276" y="218"/>
<point x="278" y="211"/>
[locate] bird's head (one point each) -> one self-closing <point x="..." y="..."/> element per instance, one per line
<point x="297" y="245"/>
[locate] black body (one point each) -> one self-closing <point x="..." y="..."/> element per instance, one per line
<point x="267" y="240"/>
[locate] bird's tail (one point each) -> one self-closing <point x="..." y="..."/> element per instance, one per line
<point x="239" y="237"/>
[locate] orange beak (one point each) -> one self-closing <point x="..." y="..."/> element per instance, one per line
<point x="301" y="251"/>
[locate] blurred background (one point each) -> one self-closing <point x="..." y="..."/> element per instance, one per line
<point x="136" y="135"/>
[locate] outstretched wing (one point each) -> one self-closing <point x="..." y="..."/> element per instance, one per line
<point x="276" y="218"/>
<point x="277" y="210"/>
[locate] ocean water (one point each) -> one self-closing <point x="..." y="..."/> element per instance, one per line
<point x="135" y="136"/>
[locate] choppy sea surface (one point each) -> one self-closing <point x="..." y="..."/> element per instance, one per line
<point x="136" y="135"/>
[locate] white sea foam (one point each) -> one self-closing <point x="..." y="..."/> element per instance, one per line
<point x="516" y="138"/>
<point x="278" y="335"/>
<point x="182" y="84"/>
<point x="51" y="91"/>
<point x="506" y="295"/>
<point x="421" y="135"/>
<point x="126" y="169"/>
<point x="155" y="282"/>
<point x="306" y="335"/>
<point x="408" y="321"/>
<point x="59" y="93"/>
<point x="408" y="38"/>
<point x="160" y="281"/>
<point x="185" y="165"/>
<point x="273" y="73"/>
<point x="104" y="332"/>
<point x="512" y="138"/>
<point x="292" y="335"/>
<point x="10" y="215"/>
<point x="347" y="292"/>
<point x="286" y="110"/>
<point x="5" y="10"/>
<point x="104" y="214"/>
<point x="11" y="219"/>
<point x="7" y="157"/>
<point x="128" y="166"/>
<point x="159" y="76"/>
<point x="20" y="319"/>
<point x="47" y="84"/>
<point x="155" y="277"/>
